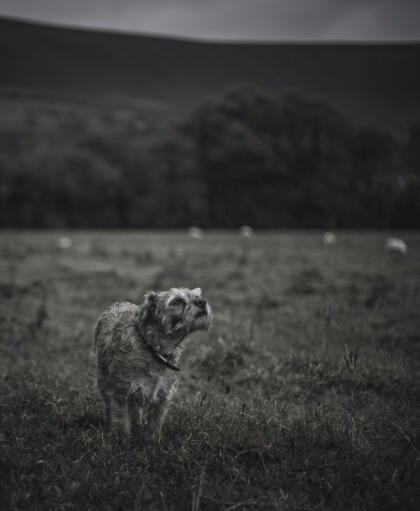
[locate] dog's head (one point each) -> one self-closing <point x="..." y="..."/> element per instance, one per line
<point x="176" y="313"/>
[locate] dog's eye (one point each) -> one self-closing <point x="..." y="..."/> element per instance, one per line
<point x="178" y="301"/>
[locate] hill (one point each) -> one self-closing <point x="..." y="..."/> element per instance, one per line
<point x="375" y="82"/>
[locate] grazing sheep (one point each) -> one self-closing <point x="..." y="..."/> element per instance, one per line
<point x="64" y="243"/>
<point x="246" y="231"/>
<point x="195" y="233"/>
<point x="329" y="239"/>
<point x="396" y="246"/>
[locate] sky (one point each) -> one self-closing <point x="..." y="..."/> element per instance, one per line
<point x="274" y="20"/>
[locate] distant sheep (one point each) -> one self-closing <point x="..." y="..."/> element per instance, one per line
<point x="396" y="246"/>
<point x="246" y="231"/>
<point x="64" y="243"/>
<point x="329" y="239"/>
<point x="195" y="233"/>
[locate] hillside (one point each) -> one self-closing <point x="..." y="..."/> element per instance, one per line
<point x="370" y="81"/>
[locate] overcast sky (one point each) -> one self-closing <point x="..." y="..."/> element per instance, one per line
<point x="234" y="19"/>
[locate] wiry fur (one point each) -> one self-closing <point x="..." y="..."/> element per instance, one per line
<point x="135" y="386"/>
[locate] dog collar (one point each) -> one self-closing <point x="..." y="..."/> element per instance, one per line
<point x="163" y="359"/>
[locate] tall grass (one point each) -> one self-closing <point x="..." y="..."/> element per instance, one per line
<point x="304" y="395"/>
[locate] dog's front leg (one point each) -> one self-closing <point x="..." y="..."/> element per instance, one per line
<point x="159" y="410"/>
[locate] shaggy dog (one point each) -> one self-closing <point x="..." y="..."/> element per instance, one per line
<point x="137" y="351"/>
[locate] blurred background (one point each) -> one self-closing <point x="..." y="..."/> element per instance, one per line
<point x="166" y="114"/>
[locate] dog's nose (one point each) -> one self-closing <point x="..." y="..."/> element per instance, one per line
<point x="201" y="304"/>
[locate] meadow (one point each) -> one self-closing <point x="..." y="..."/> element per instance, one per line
<point x="304" y="395"/>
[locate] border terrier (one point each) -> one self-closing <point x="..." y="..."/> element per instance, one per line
<point x="137" y="351"/>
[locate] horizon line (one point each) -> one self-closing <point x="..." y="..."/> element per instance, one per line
<point x="204" y="40"/>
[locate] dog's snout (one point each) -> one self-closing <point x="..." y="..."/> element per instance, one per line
<point x="201" y="304"/>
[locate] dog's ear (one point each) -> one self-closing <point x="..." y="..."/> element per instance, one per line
<point x="197" y="291"/>
<point x="150" y="297"/>
<point x="148" y="309"/>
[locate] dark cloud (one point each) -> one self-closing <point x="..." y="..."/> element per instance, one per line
<point x="234" y="19"/>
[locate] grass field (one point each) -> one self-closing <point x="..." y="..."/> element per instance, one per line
<point x="304" y="395"/>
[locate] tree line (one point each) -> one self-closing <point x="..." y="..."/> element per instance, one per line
<point x="245" y="157"/>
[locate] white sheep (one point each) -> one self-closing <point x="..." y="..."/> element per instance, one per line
<point x="329" y="239"/>
<point x="195" y="233"/>
<point x="64" y="243"/>
<point x="396" y="246"/>
<point x="246" y="231"/>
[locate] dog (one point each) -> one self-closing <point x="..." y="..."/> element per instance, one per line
<point x="137" y="351"/>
